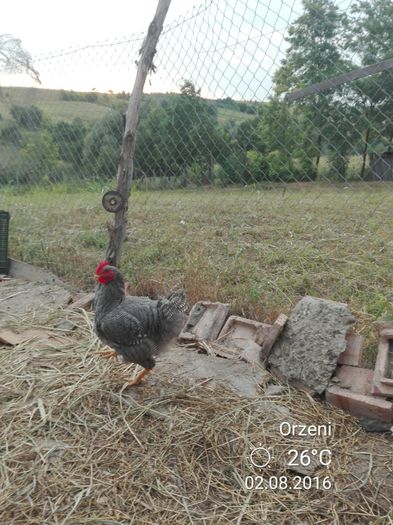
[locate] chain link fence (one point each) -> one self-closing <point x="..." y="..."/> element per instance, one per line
<point x="239" y="192"/>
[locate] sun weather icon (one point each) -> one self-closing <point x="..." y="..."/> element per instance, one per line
<point x="260" y="456"/>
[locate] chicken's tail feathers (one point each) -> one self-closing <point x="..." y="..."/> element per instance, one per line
<point x="177" y="298"/>
<point x="173" y="303"/>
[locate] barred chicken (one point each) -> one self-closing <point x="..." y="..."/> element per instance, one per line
<point x="137" y="328"/>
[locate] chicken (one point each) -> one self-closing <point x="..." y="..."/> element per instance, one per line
<point x="137" y="328"/>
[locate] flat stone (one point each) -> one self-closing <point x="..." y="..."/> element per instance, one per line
<point x="29" y="272"/>
<point x="313" y="338"/>
<point x="275" y="390"/>
<point x="65" y="324"/>
<point x="242" y="378"/>
<point x="373" y="425"/>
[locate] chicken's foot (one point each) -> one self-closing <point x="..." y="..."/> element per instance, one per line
<point x="108" y="354"/>
<point x="139" y="377"/>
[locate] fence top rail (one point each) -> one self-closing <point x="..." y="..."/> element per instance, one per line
<point x="333" y="82"/>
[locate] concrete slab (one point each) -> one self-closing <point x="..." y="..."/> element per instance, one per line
<point x="312" y="340"/>
<point x="29" y="272"/>
<point x="19" y="297"/>
<point x="179" y="363"/>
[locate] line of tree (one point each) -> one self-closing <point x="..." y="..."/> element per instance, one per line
<point x="180" y="137"/>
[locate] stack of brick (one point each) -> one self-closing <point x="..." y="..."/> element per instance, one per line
<point x="233" y="336"/>
<point x="305" y="351"/>
<point x="362" y="392"/>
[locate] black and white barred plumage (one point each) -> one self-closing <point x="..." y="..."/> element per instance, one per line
<point x="138" y="328"/>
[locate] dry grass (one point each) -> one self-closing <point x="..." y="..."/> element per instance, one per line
<point x="76" y="449"/>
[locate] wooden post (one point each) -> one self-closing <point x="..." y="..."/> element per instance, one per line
<point x="125" y="169"/>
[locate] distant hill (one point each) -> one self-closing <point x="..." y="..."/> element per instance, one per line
<point x="90" y="107"/>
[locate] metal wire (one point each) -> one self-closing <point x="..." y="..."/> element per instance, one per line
<point x="214" y="115"/>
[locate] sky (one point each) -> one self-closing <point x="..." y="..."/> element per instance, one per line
<point x="228" y="48"/>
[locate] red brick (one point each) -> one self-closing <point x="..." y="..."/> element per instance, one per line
<point x="360" y="405"/>
<point x="238" y="332"/>
<point x="85" y="302"/>
<point x="8" y="337"/>
<point x="357" y="380"/>
<point x="35" y="337"/>
<point x="353" y="353"/>
<point x="382" y="325"/>
<point x="270" y="337"/>
<point x="383" y="376"/>
<point x="206" y="324"/>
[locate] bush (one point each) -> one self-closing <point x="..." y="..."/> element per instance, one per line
<point x="91" y="97"/>
<point x="11" y="134"/>
<point x="233" y="168"/>
<point x="257" y="167"/>
<point x="40" y="158"/>
<point x="29" y="117"/>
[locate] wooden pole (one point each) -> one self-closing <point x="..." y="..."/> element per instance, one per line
<point x="125" y="169"/>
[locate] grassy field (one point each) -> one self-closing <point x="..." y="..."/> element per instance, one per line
<point x="258" y="250"/>
<point x="50" y="102"/>
<point x="55" y="108"/>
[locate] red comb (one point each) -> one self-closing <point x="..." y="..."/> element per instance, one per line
<point x="101" y="266"/>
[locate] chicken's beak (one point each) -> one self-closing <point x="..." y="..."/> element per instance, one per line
<point x="96" y="277"/>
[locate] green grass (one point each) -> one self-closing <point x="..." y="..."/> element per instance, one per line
<point x="258" y="250"/>
<point x="225" y="115"/>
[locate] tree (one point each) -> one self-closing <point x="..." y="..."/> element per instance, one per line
<point x="14" y="58"/>
<point x="69" y="138"/>
<point x="102" y="146"/>
<point x="314" y="54"/>
<point x="370" y="37"/>
<point x="178" y="136"/>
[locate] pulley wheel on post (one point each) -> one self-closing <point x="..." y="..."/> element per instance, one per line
<point x="112" y="201"/>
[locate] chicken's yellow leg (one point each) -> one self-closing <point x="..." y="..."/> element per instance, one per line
<point x="139" y="377"/>
<point x="108" y="354"/>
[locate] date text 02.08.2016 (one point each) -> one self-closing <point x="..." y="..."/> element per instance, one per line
<point x="281" y="483"/>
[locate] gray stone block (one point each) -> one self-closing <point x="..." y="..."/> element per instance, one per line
<point x="312" y="340"/>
